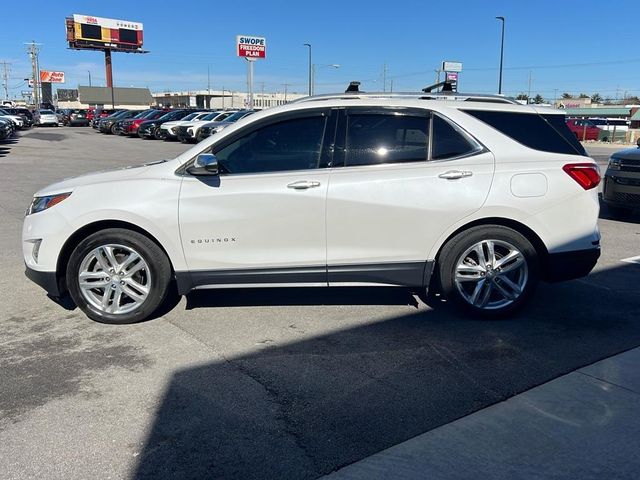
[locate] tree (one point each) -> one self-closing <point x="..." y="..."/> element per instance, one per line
<point x="584" y="95"/>
<point x="596" y="98"/>
<point x="566" y="95"/>
<point x="538" y="99"/>
<point x="522" y="96"/>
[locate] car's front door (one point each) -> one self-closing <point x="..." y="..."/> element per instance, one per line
<point x="262" y="219"/>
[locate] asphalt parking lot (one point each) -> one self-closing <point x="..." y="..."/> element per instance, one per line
<point x="270" y="383"/>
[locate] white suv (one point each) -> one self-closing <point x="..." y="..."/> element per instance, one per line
<point x="475" y="200"/>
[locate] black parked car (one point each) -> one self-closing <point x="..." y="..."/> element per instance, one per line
<point x="6" y="129"/>
<point x="108" y="125"/>
<point x="150" y="128"/>
<point x="75" y="117"/>
<point x="23" y="113"/>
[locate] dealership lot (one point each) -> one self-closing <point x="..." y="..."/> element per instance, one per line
<point x="265" y="383"/>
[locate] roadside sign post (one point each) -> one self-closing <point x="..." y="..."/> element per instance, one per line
<point x="451" y="73"/>
<point x="251" y="49"/>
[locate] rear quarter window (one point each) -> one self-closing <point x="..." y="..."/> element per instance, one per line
<point x="547" y="133"/>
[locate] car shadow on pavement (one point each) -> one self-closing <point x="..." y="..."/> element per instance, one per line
<point x="303" y="409"/>
<point x="245" y="297"/>
<point x="5" y="146"/>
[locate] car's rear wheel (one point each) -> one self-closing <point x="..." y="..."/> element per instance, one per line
<point x="157" y="134"/>
<point x="490" y="271"/>
<point x="118" y="276"/>
<point x="113" y="130"/>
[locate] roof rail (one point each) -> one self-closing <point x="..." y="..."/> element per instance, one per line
<point x="456" y="96"/>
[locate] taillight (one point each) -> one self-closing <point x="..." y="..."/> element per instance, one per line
<point x="587" y="175"/>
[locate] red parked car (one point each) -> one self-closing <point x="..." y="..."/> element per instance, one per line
<point x="130" y="126"/>
<point x="583" y="129"/>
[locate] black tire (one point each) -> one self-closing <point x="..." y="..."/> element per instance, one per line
<point x="113" y="130"/>
<point x="158" y="265"/>
<point x="458" y="247"/>
<point x="156" y="134"/>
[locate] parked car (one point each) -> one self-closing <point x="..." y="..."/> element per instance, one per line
<point x="151" y="128"/>
<point x="621" y="186"/>
<point x="130" y="126"/>
<point x="47" y="117"/>
<point x="7" y="128"/>
<point x="466" y="199"/>
<point x="167" y="129"/>
<point x="24" y="113"/>
<point x="16" y="119"/>
<point x="76" y="117"/>
<point x="184" y="132"/>
<point x="200" y="132"/>
<point x="99" y="115"/>
<point x="583" y="129"/>
<point x="108" y="125"/>
<point x="609" y="124"/>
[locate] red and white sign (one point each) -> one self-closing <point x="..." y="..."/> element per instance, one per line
<point x="107" y="22"/>
<point x="251" y="47"/>
<point x="47" y="76"/>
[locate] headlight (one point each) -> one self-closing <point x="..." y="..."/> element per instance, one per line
<point x="614" y="163"/>
<point x="42" y="203"/>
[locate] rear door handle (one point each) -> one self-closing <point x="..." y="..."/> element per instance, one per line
<point x="455" y="174"/>
<point x="303" y="185"/>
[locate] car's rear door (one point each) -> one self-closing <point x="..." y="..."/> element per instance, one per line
<point x="405" y="176"/>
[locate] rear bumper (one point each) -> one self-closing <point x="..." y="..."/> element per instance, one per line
<point x="570" y="265"/>
<point x="47" y="280"/>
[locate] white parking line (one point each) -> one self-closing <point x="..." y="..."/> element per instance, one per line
<point x="635" y="259"/>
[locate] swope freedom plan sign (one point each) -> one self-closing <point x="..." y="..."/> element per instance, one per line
<point x="251" y="47"/>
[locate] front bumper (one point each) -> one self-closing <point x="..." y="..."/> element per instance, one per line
<point x="47" y="280"/>
<point x="622" y="190"/>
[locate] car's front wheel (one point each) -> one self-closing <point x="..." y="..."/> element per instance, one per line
<point x="118" y="276"/>
<point x="490" y="271"/>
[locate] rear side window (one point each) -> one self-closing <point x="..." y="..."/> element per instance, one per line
<point x="381" y="138"/>
<point x="448" y="142"/>
<point x="547" y="133"/>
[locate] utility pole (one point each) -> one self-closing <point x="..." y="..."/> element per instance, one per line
<point x="384" y="77"/>
<point x="529" y="92"/>
<point x="5" y="79"/>
<point x="209" y="88"/>
<point x="286" y="85"/>
<point x="34" y="50"/>
<point x="391" y="85"/>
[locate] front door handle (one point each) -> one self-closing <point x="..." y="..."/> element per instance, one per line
<point x="455" y="174"/>
<point x="303" y="185"/>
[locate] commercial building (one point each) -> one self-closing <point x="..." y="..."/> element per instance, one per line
<point x="222" y="99"/>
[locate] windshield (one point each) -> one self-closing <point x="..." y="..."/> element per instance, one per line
<point x="46" y="112"/>
<point x="211" y="116"/>
<point x="190" y="116"/>
<point x="237" y="116"/>
<point x="144" y="113"/>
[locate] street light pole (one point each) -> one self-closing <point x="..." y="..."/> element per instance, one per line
<point x="310" y="67"/>
<point x="313" y="73"/>
<point x="501" y="55"/>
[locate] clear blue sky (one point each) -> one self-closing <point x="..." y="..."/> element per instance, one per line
<point x="566" y="45"/>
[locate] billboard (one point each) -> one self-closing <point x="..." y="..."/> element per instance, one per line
<point x="96" y="33"/>
<point x="51" y="77"/>
<point x="251" y="47"/>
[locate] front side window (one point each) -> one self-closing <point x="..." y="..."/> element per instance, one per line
<point x="386" y="138"/>
<point x="288" y="145"/>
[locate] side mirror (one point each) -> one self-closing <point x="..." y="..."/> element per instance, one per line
<point x="638" y="143"/>
<point x="204" y="164"/>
